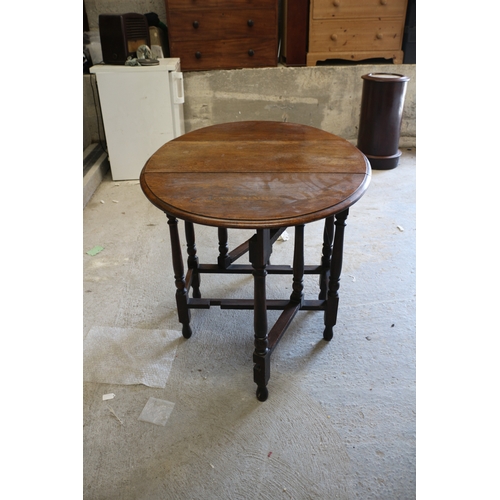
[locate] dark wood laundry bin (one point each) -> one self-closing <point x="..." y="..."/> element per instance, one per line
<point x="382" y="103"/>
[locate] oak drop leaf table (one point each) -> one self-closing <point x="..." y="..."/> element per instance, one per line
<point x="265" y="176"/>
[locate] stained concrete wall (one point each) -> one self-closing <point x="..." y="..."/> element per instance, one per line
<point x="326" y="97"/>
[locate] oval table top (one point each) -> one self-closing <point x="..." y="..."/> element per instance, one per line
<point x="255" y="174"/>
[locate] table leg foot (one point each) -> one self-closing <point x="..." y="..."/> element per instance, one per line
<point x="328" y="333"/>
<point x="261" y="373"/>
<point x="186" y="331"/>
<point x="262" y="393"/>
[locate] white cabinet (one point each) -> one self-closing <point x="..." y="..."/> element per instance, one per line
<point x="142" y="109"/>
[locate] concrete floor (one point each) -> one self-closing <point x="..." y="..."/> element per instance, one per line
<point x="340" y="418"/>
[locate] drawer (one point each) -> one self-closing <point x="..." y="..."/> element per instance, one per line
<point x="353" y="35"/>
<point x="210" y="25"/>
<point x="211" y="4"/>
<point x="344" y="9"/>
<point x="226" y="54"/>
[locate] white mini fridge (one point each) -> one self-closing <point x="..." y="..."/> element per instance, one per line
<point x="142" y="109"/>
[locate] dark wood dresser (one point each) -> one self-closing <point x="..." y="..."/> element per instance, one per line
<point x="223" y="34"/>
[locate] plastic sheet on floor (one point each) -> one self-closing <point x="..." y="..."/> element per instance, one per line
<point x="129" y="356"/>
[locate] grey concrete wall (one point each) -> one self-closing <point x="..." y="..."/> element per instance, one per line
<point x="326" y="97"/>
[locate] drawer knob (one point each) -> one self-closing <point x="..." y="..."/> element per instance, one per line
<point x="250" y="23"/>
<point x="196" y="24"/>
<point x="198" y="55"/>
<point x="379" y="36"/>
<point x="336" y="3"/>
<point x="333" y="37"/>
<point x="251" y="52"/>
<point x="383" y="2"/>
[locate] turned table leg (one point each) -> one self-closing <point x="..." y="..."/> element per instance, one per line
<point x="223" y="260"/>
<point x="259" y="253"/>
<point x="181" y="295"/>
<point x="192" y="258"/>
<point x="326" y="257"/>
<point x="297" y="294"/>
<point x="332" y="303"/>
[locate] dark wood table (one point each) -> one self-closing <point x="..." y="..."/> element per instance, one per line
<point x="264" y="176"/>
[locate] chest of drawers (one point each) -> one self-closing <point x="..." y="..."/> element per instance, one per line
<point x="223" y="34"/>
<point x="356" y="30"/>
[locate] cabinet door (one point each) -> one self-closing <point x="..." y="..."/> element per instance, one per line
<point x="137" y="114"/>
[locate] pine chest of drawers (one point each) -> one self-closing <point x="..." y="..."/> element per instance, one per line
<point x="356" y="30"/>
<point x="223" y="34"/>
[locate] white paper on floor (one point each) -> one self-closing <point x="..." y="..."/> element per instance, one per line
<point x="129" y="356"/>
<point x="156" y="411"/>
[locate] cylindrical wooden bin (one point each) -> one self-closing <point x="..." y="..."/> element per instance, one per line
<point x="380" y="119"/>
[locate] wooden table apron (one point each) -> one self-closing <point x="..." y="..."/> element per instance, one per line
<point x="264" y="176"/>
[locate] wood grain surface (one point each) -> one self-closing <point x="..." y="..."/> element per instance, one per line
<point x="258" y="174"/>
